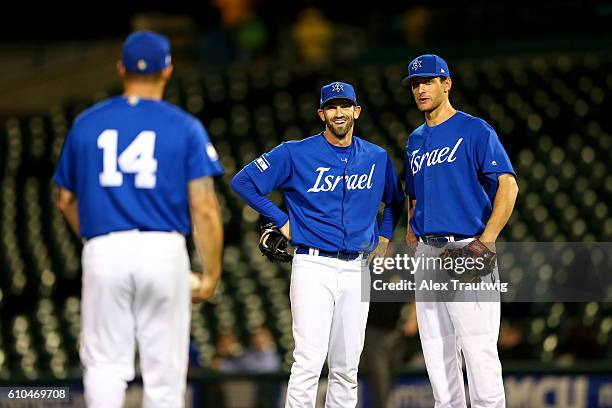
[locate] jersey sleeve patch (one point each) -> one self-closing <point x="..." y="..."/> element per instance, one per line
<point x="262" y="163"/>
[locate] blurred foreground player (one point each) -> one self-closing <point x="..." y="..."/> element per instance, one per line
<point x="462" y="189"/>
<point x="132" y="171"/>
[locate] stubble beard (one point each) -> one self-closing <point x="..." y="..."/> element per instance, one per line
<point x="434" y="104"/>
<point x="341" y="133"/>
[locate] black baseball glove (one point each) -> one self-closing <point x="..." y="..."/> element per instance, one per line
<point x="273" y="244"/>
<point x="475" y="260"/>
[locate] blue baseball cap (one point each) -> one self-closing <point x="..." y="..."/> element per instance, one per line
<point x="428" y="65"/>
<point x="337" y="90"/>
<point x="145" y="52"/>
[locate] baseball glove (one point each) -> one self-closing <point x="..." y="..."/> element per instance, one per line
<point x="476" y="261"/>
<point x="273" y="244"/>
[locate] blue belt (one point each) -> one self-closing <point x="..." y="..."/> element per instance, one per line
<point x="342" y="255"/>
<point x="441" y="240"/>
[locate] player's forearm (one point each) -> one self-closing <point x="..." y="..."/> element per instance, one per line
<point x="411" y="206"/>
<point x="245" y="188"/>
<point x="72" y="216"/>
<point x="207" y="225"/>
<point x="69" y="206"/>
<point x="386" y="224"/>
<point x="410" y="237"/>
<point x="503" y="205"/>
<point x="208" y="237"/>
<point x="391" y="216"/>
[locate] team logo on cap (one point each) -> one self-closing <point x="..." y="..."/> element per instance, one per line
<point x="416" y="64"/>
<point x="142" y="64"/>
<point x="337" y="87"/>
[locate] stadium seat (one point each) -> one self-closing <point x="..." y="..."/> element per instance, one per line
<point x="549" y="113"/>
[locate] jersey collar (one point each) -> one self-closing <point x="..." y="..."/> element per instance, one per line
<point x="330" y="151"/>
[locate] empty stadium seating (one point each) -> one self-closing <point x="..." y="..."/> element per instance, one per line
<point x="549" y="111"/>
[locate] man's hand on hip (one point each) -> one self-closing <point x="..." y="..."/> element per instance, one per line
<point x="286" y="230"/>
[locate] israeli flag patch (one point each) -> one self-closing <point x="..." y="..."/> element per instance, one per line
<point x="262" y="163"/>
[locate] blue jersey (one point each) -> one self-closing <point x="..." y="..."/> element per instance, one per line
<point x="451" y="171"/>
<point x="128" y="161"/>
<point x="332" y="203"/>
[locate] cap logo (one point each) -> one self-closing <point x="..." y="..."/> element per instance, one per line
<point x="416" y="64"/>
<point x="142" y="64"/>
<point x="337" y="87"/>
<point x="168" y="59"/>
<point x="442" y="70"/>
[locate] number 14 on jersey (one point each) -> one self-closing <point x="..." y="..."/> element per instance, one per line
<point x="137" y="158"/>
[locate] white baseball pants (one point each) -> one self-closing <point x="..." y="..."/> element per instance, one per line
<point x="135" y="289"/>
<point x="329" y="319"/>
<point x="448" y="329"/>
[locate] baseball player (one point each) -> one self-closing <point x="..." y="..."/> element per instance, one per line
<point x="333" y="183"/>
<point x="462" y="188"/>
<point x="134" y="173"/>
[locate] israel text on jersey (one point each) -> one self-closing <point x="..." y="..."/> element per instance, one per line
<point x="329" y="182"/>
<point x="436" y="156"/>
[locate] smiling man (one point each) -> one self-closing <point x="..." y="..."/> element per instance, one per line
<point x="333" y="183"/>
<point x="462" y="189"/>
